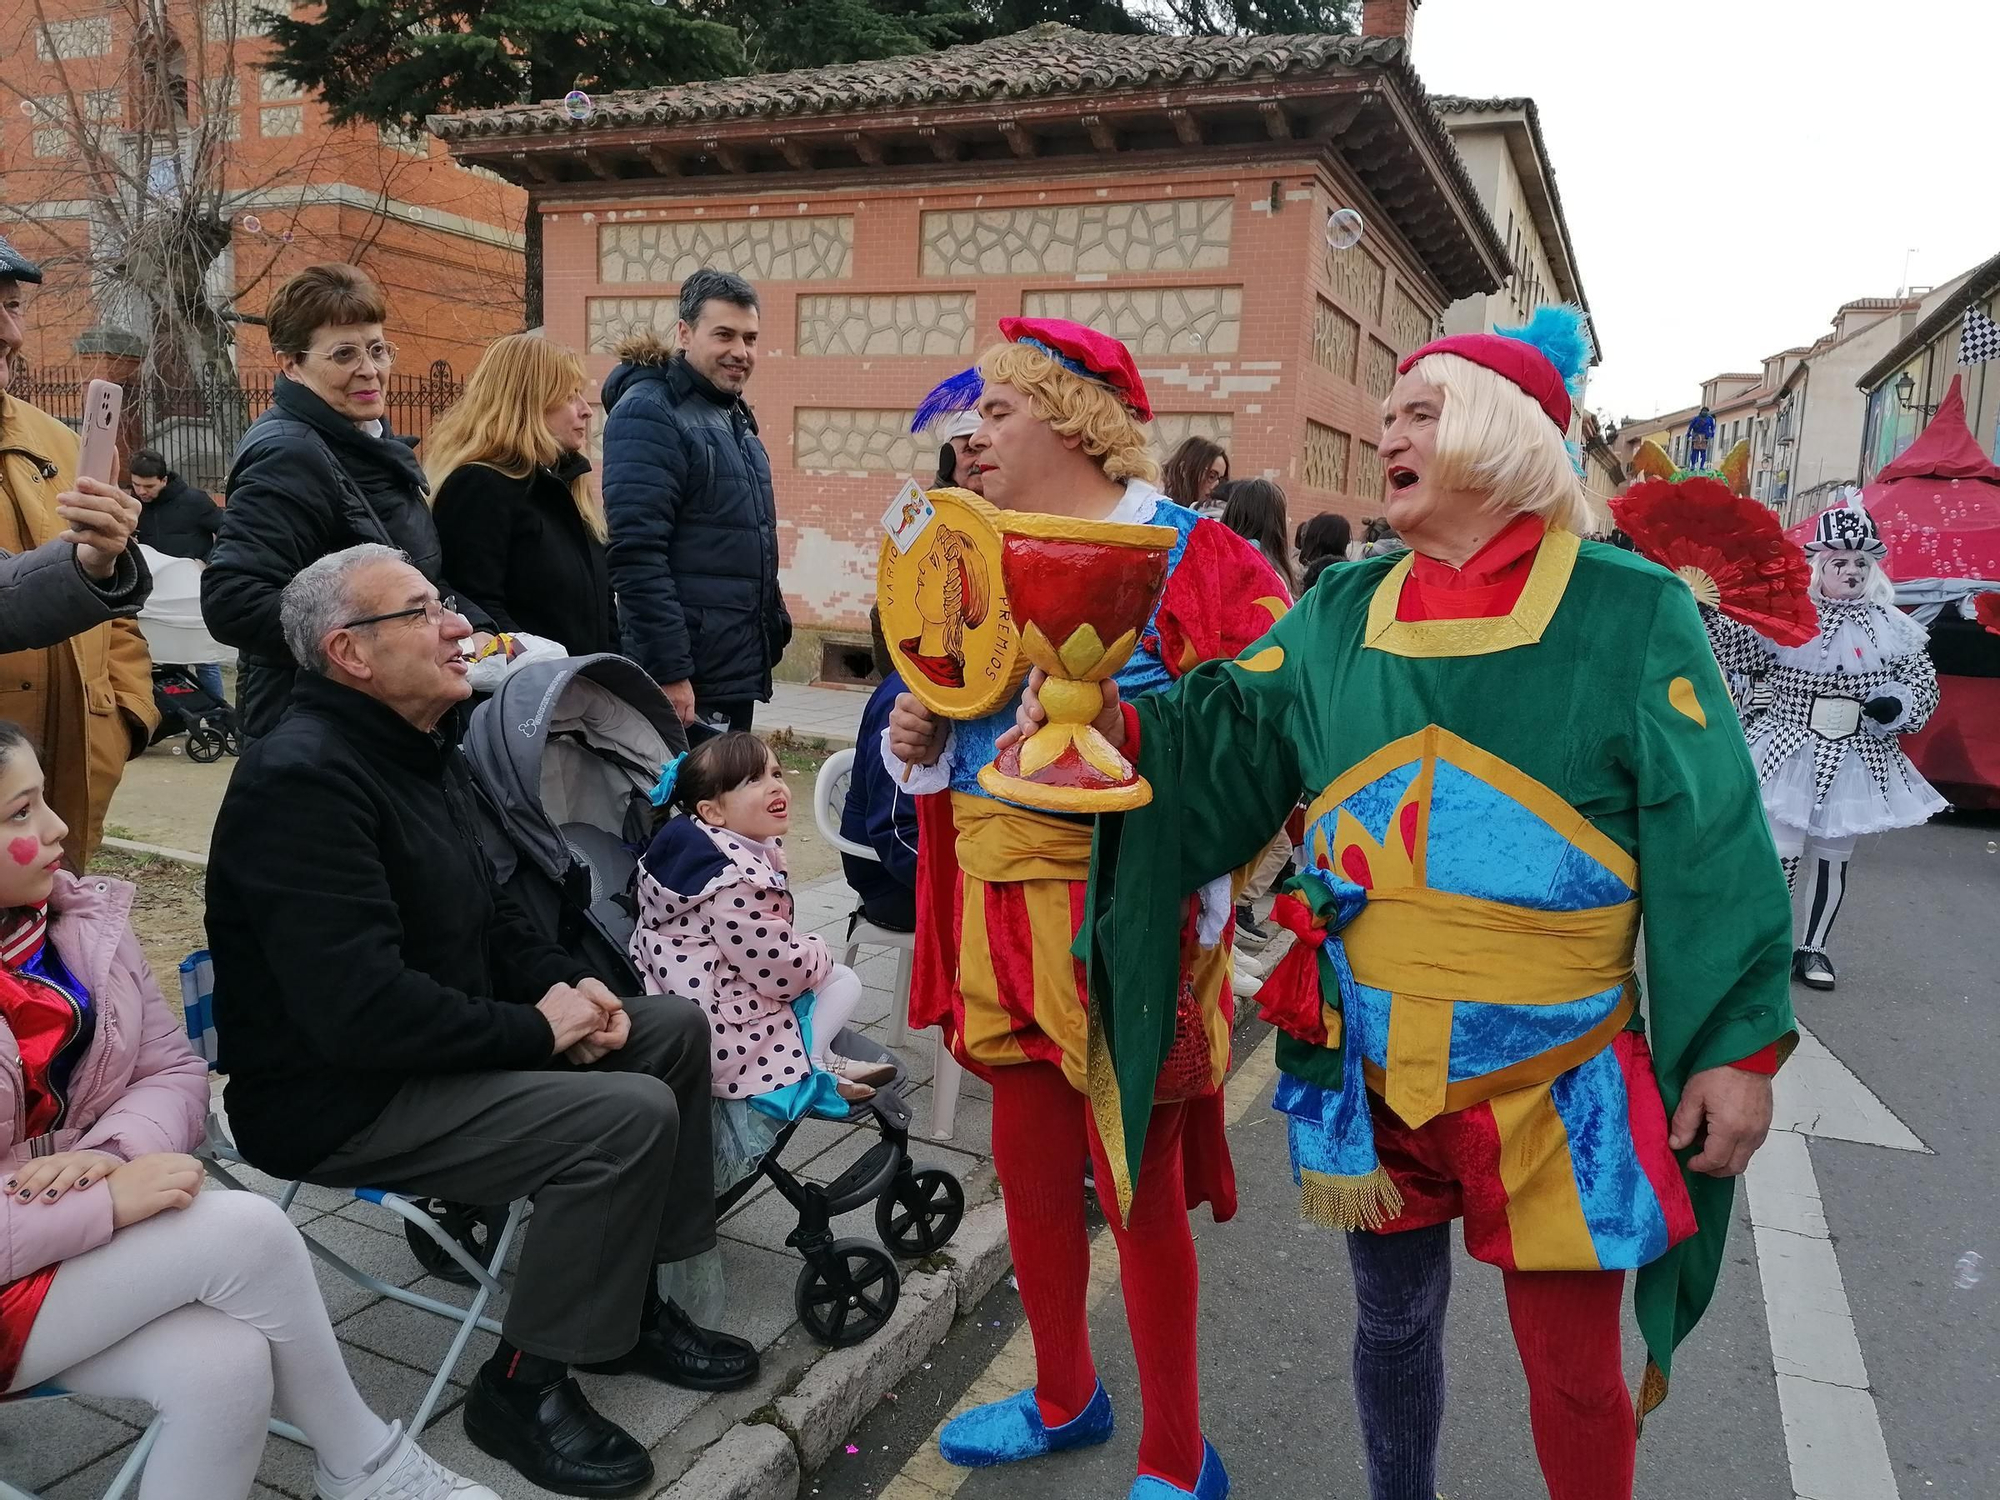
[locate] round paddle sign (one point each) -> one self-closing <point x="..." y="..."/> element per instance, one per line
<point x="944" y="607"/>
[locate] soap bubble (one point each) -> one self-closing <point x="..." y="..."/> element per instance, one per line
<point x="577" y="105"/>
<point x="285" y="238"/>
<point x="1970" y="1269"/>
<point x="590" y="218"/>
<point x="28" y="108"/>
<point x="252" y="224"/>
<point x="1992" y="848"/>
<point x="1344" y="228"/>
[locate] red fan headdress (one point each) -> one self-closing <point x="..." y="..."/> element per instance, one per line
<point x="1729" y="550"/>
<point x="1986" y="610"/>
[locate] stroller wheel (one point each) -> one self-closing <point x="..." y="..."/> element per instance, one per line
<point x="920" y="1212"/>
<point x="232" y="740"/>
<point x="474" y="1227"/>
<point x="846" y="1294"/>
<point x="205" y="745"/>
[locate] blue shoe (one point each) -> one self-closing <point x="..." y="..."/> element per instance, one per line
<point x="1005" y="1432"/>
<point x="1212" y="1485"/>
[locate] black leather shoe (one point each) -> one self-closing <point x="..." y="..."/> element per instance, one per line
<point x="1813" y="968"/>
<point x="554" y="1437"/>
<point x="672" y="1349"/>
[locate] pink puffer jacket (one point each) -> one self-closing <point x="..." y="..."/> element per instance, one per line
<point x="141" y="1088"/>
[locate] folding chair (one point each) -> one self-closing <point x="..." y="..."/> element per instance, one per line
<point x="220" y="1156"/>
<point x="829" y="798"/>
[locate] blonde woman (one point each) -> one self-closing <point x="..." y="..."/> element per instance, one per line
<point x="952" y="593"/>
<point x="523" y="536"/>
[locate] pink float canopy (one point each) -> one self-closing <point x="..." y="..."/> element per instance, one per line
<point x="1938" y="503"/>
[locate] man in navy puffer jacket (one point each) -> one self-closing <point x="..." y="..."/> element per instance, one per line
<point x="692" y="518"/>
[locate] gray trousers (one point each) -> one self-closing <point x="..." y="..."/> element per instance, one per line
<point x="616" y="1158"/>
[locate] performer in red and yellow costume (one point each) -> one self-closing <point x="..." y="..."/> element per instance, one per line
<point x="1000" y="891"/>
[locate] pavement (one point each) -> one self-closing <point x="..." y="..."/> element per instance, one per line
<point x="1849" y="1353"/>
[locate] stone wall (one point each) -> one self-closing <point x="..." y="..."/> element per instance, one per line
<point x="1245" y="326"/>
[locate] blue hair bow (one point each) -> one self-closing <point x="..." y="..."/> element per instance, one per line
<point x="663" y="789"/>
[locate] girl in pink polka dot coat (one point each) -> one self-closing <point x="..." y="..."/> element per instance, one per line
<point x="715" y="925"/>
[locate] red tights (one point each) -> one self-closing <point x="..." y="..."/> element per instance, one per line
<point x="1566" y="1326"/>
<point x="1042" y="1135"/>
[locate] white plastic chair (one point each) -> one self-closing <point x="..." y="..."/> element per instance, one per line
<point x="219" y="1154"/>
<point x="128" y="1472"/>
<point x="829" y="800"/>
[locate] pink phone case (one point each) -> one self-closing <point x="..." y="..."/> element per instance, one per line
<point x="103" y="403"/>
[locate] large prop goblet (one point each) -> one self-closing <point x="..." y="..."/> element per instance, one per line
<point x="1080" y="592"/>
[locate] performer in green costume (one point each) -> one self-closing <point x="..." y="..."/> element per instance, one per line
<point x="1516" y="745"/>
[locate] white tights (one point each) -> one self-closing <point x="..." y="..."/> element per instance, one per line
<point x="207" y="1314"/>
<point x="834" y="1004"/>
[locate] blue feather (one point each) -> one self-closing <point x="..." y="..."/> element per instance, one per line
<point x="949" y="397"/>
<point x="1557" y="329"/>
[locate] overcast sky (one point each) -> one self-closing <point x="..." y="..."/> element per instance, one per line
<point x="1734" y="170"/>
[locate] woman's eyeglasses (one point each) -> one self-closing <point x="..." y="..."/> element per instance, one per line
<point x="347" y="356"/>
<point x="432" y="613"/>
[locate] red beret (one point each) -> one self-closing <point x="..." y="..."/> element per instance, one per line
<point x="1086" y="352"/>
<point x="1511" y="359"/>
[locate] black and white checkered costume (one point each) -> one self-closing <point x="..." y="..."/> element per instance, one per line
<point x="1834" y="785"/>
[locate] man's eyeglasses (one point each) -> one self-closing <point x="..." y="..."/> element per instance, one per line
<point x="432" y="613"/>
<point x="347" y="356"/>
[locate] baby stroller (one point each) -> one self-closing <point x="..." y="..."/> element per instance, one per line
<point x="563" y="755"/>
<point x="171" y="621"/>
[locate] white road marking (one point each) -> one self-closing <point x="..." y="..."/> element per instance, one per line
<point x="927" y="1476"/>
<point x="1833" y="1433"/>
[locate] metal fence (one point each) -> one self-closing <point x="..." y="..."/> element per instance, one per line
<point x="196" y="424"/>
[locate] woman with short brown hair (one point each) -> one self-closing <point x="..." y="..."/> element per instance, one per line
<point x="318" y="472"/>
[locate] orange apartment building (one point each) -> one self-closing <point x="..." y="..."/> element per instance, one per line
<point x="1173" y="191"/>
<point x="445" y="242"/>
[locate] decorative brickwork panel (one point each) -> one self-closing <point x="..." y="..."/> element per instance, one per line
<point x="228" y="20"/>
<point x="1378" y="369"/>
<point x="1079" y="238"/>
<point x="794" y="249"/>
<point x="837" y="441"/>
<point x="612" y="320"/>
<point x="1153" y="320"/>
<point x="1358" y="280"/>
<point x="1172" y="428"/>
<point x="1325" y="464"/>
<point x="285" y="119"/>
<point x="907" y="323"/>
<point x="1336" y="339"/>
<point x="1366" y="484"/>
<point x="1408" y="325"/>
<point x="87" y="36"/>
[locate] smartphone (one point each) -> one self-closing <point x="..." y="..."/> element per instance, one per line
<point x="103" y="404"/>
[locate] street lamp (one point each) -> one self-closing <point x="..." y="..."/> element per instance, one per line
<point x="1906" y="387"/>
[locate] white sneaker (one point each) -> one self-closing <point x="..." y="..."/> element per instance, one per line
<point x="853" y="1070"/>
<point x="408" y="1473"/>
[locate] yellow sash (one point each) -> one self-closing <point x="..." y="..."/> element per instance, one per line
<point x="998" y="842"/>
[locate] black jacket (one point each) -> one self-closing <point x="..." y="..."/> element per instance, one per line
<point x="358" y="937"/>
<point x="180" y="521"/>
<point x="519" y="549"/>
<point x="306" y="482"/>
<point x="694" y="531"/>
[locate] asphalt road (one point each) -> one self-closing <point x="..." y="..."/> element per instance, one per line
<point x="1916" y="1017"/>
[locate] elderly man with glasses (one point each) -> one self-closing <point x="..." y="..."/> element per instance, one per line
<point x="390" y="1018"/>
<point x="321" y="470"/>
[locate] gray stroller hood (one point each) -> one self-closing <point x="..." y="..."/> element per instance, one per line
<point x="567" y="743"/>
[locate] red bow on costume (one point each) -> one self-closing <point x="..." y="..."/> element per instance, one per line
<point x="1290" y="996"/>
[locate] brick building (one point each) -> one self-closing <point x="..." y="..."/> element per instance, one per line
<point x="183" y="82"/>
<point x="1174" y="191"/>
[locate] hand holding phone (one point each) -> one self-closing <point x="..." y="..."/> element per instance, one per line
<point x="101" y="517"/>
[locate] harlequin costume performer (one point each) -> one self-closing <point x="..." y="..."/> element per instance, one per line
<point x="1824" y="719"/>
<point x="1000" y="890"/>
<point x="1515" y="760"/>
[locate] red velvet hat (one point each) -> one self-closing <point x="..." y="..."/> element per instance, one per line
<point x="1086" y="352"/>
<point x="1510" y="359"/>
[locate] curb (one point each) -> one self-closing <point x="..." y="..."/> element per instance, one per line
<point x="772" y="1459"/>
<point x="157" y="851"/>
